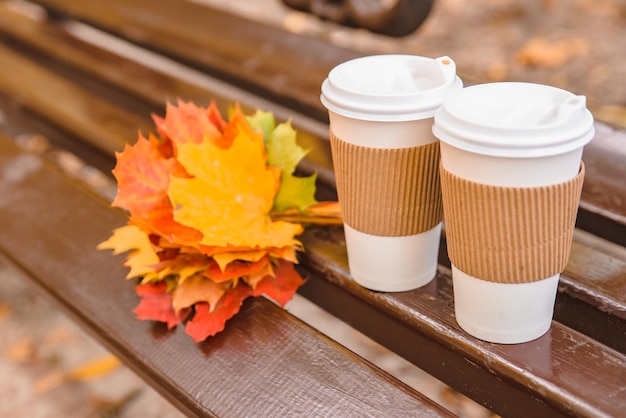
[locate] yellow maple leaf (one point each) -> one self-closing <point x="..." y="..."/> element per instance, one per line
<point x="95" y="368"/>
<point x="231" y="193"/>
<point x="142" y="257"/>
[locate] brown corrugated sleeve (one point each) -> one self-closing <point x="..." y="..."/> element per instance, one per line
<point x="388" y="192"/>
<point x="509" y="234"/>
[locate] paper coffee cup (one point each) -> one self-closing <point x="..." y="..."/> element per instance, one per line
<point x="511" y="178"/>
<point x="386" y="164"/>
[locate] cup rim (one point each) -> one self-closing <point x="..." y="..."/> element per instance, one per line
<point x="460" y="123"/>
<point x="344" y="99"/>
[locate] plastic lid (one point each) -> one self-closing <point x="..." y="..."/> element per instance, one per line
<point x="514" y="120"/>
<point x="389" y="87"/>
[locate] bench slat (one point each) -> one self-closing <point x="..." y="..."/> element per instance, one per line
<point x="604" y="156"/>
<point x="590" y="291"/>
<point x="266" y="363"/>
<point x="610" y="300"/>
<point x="248" y="53"/>
<point x="151" y="85"/>
<point x="40" y="90"/>
<point x="562" y="371"/>
<point x="289" y="68"/>
<point x="603" y="205"/>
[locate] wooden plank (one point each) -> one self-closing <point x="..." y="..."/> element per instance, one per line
<point x="150" y="84"/>
<point x="51" y="39"/>
<point x="103" y="64"/>
<point x="289" y="68"/>
<point x="592" y="290"/>
<point x="256" y="56"/>
<point x="101" y="124"/>
<point x="18" y="122"/>
<point x="64" y="43"/>
<point x="266" y="363"/>
<point x="561" y="373"/>
<point x="335" y="292"/>
<point x="603" y="201"/>
<point x="603" y="208"/>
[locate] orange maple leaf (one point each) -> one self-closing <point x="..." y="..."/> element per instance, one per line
<point x="143" y="175"/>
<point x="188" y="122"/>
<point x="202" y="233"/>
<point x="225" y="258"/>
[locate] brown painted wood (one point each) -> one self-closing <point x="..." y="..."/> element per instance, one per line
<point x="103" y="125"/>
<point x="63" y="49"/>
<point x="152" y="86"/>
<point x="592" y="290"/>
<point x="266" y="363"/>
<point x="257" y="56"/>
<point x="562" y="373"/>
<point x="54" y="40"/>
<point x="418" y="325"/>
<point x="287" y="68"/>
<point x="603" y="201"/>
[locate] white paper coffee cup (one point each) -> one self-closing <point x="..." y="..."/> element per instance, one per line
<point x="502" y="137"/>
<point x="381" y="109"/>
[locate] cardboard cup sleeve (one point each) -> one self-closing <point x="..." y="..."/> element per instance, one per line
<point x="509" y="234"/>
<point x="388" y="192"/>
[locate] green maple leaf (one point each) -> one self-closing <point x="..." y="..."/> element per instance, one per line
<point x="284" y="152"/>
<point x="263" y="122"/>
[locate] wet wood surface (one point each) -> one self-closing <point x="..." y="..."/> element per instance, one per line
<point x="560" y="371"/>
<point x="218" y="43"/>
<point x="287" y="68"/>
<point x="577" y="368"/>
<point x="266" y="363"/>
<point x="603" y="192"/>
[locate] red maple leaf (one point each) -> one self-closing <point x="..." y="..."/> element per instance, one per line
<point x="282" y="286"/>
<point x="156" y="304"/>
<point x="205" y="323"/>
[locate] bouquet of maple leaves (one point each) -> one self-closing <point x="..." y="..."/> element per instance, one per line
<point x="210" y="203"/>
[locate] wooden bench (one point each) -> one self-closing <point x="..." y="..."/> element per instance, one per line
<point x="67" y="74"/>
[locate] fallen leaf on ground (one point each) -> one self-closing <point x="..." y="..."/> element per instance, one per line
<point x="59" y="335"/>
<point x="113" y="408"/>
<point x="615" y="115"/>
<point x="22" y="351"/>
<point x="49" y="381"/>
<point x="5" y="311"/>
<point x="539" y="52"/>
<point x="95" y="368"/>
<point x="92" y="369"/>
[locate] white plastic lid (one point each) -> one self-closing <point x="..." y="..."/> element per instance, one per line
<point x="514" y="120"/>
<point x="389" y="87"/>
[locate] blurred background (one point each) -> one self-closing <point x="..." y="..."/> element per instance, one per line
<point x="577" y="45"/>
